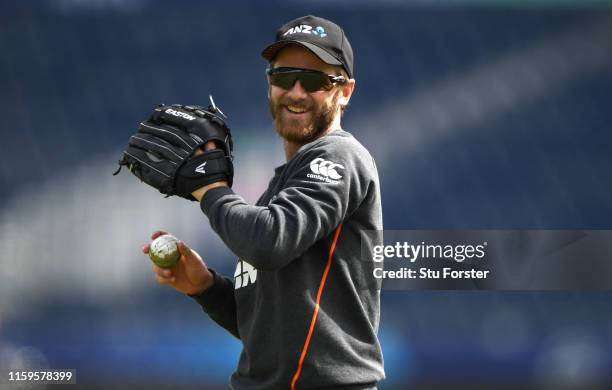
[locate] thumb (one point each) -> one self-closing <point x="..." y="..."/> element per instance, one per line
<point x="186" y="252"/>
<point x="189" y="257"/>
<point x="196" y="271"/>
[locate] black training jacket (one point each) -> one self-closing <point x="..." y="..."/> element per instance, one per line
<point x="303" y="303"/>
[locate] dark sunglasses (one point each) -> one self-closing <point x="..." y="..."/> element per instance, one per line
<point x="310" y="80"/>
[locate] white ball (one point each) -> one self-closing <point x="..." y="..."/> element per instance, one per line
<point x="164" y="251"/>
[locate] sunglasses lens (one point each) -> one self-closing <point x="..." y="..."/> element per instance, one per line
<point x="283" y="80"/>
<point x="311" y="82"/>
<point x="314" y="82"/>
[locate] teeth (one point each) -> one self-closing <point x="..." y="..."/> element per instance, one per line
<point x="296" y="109"/>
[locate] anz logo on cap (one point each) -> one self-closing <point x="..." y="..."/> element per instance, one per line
<point x="306" y="29"/>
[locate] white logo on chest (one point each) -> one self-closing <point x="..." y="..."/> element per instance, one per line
<point x="244" y="275"/>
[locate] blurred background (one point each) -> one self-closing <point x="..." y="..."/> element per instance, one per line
<point x="481" y="114"/>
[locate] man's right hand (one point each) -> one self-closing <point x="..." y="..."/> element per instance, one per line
<point x="189" y="276"/>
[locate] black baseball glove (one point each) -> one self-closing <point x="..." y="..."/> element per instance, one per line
<point x="163" y="151"/>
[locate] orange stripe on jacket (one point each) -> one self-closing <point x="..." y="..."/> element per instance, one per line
<point x="316" y="310"/>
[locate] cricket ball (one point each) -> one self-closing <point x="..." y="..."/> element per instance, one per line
<point x="164" y="251"/>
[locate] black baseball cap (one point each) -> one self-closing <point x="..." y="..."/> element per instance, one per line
<point x="321" y="36"/>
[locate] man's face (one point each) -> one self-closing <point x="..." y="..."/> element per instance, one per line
<point x="301" y="116"/>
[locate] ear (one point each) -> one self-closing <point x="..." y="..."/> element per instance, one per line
<point x="347" y="91"/>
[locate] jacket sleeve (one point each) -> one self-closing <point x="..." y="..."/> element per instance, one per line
<point x="219" y="303"/>
<point x="324" y="186"/>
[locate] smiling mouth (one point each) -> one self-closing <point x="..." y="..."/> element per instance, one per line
<point x="295" y="109"/>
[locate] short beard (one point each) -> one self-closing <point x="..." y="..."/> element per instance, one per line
<point x="322" y="118"/>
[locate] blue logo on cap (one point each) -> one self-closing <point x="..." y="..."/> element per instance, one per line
<point x="320" y="31"/>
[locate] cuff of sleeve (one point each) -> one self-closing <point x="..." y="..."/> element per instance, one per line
<point x="212" y="195"/>
<point x="212" y="294"/>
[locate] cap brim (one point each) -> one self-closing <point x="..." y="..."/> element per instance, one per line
<point x="270" y="52"/>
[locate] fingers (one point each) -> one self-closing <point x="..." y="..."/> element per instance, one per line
<point x="166" y="281"/>
<point x="163" y="272"/>
<point x="157" y="233"/>
<point x="163" y="275"/>
<point x="210" y="145"/>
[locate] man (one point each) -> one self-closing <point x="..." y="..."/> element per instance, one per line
<point x="301" y="300"/>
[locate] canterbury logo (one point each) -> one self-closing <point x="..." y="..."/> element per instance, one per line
<point x="326" y="168"/>
<point x="200" y="168"/>
<point x="180" y="114"/>
<point x="244" y="275"/>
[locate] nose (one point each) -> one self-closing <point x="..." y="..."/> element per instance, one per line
<point x="297" y="91"/>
